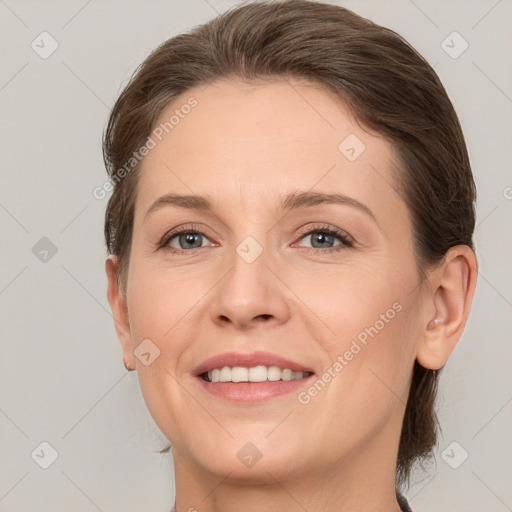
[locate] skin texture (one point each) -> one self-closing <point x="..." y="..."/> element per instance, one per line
<point x="246" y="146"/>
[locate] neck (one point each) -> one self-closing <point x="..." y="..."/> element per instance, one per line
<point x="362" y="480"/>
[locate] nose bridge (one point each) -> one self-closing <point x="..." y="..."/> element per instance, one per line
<point x="247" y="283"/>
<point x="250" y="291"/>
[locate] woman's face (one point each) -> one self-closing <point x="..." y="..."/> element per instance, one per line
<point x="263" y="275"/>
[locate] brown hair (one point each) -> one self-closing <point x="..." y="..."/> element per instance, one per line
<point x="388" y="87"/>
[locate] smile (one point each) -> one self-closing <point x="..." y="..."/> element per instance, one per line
<point x="258" y="373"/>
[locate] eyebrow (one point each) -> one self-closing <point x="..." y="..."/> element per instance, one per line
<point x="294" y="201"/>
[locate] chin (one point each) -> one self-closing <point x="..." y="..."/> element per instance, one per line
<point x="246" y="463"/>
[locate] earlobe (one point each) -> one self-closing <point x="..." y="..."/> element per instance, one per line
<point x="450" y="297"/>
<point x="119" y="312"/>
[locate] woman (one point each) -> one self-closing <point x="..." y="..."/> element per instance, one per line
<point x="291" y="258"/>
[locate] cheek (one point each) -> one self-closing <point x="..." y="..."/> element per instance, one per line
<point x="161" y="300"/>
<point x="371" y="342"/>
<point x="358" y="302"/>
<point x="364" y="387"/>
<point x="371" y="318"/>
<point x="159" y="308"/>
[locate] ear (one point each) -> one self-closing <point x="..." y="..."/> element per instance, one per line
<point x="119" y="312"/>
<point x="448" y="301"/>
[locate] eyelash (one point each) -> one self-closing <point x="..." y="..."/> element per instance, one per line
<point x="343" y="237"/>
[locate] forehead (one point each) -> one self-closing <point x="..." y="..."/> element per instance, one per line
<point x="248" y="144"/>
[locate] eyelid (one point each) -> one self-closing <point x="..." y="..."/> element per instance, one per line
<point x="346" y="240"/>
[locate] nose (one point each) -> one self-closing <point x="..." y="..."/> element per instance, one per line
<point x="251" y="293"/>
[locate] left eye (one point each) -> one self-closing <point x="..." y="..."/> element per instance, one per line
<point x="322" y="238"/>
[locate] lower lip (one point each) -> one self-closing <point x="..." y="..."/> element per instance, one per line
<point x="250" y="392"/>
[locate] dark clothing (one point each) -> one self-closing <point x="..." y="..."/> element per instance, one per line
<point x="404" y="506"/>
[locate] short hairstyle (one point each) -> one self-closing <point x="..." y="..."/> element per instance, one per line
<point x="388" y="87"/>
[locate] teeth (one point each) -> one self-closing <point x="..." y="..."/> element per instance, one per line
<point x="255" y="374"/>
<point x="274" y="373"/>
<point x="239" y="374"/>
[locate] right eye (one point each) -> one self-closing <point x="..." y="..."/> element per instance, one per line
<point x="185" y="238"/>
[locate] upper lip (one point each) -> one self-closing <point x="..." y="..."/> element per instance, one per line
<point x="248" y="361"/>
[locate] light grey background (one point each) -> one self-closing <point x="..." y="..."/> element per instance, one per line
<point x="61" y="374"/>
